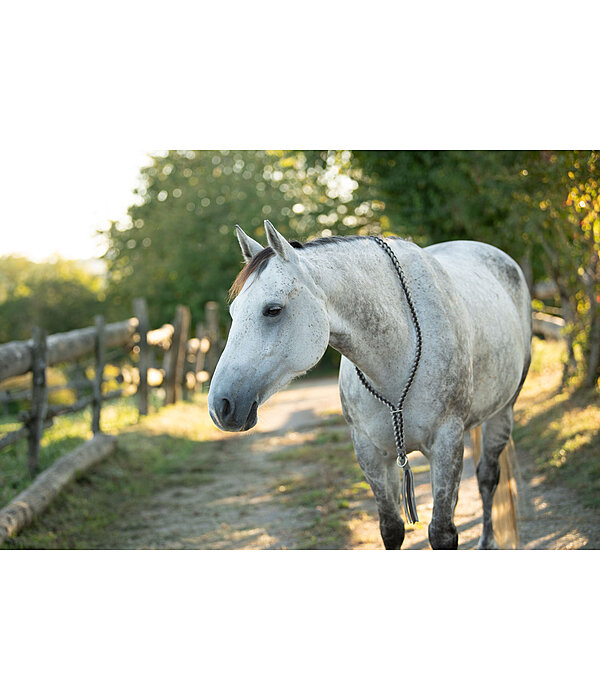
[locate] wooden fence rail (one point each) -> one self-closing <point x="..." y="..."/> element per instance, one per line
<point x="548" y="325"/>
<point x="16" y="357"/>
<point x="188" y="363"/>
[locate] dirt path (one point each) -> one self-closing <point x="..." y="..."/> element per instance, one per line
<point x="240" y="509"/>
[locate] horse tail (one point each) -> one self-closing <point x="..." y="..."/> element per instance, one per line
<point x="505" y="508"/>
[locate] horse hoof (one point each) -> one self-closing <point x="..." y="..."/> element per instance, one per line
<point x="489" y="544"/>
<point x="443" y="538"/>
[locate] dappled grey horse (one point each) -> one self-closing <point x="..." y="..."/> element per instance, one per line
<point x="474" y="314"/>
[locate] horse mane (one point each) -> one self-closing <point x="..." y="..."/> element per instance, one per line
<point x="259" y="261"/>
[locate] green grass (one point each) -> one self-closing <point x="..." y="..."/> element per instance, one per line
<point x="560" y="426"/>
<point x="66" y="433"/>
<point x="169" y="449"/>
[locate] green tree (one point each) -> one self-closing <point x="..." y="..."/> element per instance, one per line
<point x="177" y="245"/>
<point x="562" y="198"/>
<point x="541" y="207"/>
<point x="59" y="296"/>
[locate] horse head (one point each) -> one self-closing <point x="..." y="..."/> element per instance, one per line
<point x="279" y="330"/>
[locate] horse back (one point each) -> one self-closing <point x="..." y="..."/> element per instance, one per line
<point x="496" y="318"/>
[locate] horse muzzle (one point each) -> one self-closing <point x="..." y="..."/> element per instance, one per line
<point x="233" y="415"/>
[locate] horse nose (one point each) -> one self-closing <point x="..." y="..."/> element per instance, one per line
<point x="226" y="407"/>
<point x="233" y="414"/>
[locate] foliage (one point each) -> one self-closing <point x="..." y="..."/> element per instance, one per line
<point x="59" y="296"/>
<point x="178" y="246"/>
<point x="562" y="197"/>
<point x="541" y="207"/>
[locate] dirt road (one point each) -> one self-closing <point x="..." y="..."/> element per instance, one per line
<point x="241" y="508"/>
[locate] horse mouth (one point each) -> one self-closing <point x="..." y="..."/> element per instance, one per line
<point x="252" y="417"/>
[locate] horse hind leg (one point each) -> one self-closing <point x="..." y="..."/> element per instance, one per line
<point x="382" y="474"/>
<point x="496" y="432"/>
<point x="446" y="457"/>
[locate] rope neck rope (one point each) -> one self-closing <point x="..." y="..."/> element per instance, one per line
<point x="396" y="410"/>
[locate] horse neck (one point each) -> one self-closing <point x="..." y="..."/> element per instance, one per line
<point x="368" y="315"/>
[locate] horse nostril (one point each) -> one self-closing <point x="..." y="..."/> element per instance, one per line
<point x="226" y="408"/>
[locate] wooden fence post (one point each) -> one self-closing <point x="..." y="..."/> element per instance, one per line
<point x="188" y="369"/>
<point x="140" y="310"/>
<point x="200" y="355"/>
<point x="177" y="354"/>
<point x="39" y="398"/>
<point x="212" y="328"/>
<point x="98" y="374"/>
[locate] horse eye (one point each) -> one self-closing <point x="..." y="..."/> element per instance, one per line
<point x="272" y="311"/>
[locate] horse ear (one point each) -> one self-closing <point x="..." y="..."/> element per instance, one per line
<point x="281" y="247"/>
<point x="249" y="246"/>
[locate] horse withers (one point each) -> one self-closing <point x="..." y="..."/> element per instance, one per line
<point x="474" y="310"/>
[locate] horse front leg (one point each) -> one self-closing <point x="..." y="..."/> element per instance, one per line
<point x="382" y="474"/>
<point x="446" y="458"/>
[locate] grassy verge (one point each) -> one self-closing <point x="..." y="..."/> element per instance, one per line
<point x="560" y="428"/>
<point x="66" y="433"/>
<point x="167" y="449"/>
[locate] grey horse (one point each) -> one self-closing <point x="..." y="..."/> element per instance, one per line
<point x="473" y="305"/>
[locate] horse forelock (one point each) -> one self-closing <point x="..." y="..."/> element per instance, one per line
<point x="257" y="264"/>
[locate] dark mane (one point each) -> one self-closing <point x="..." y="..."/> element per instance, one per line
<point x="328" y="240"/>
<point x="260" y="260"/>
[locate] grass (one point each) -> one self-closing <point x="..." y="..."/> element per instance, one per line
<point x="66" y="433"/>
<point x="168" y="449"/>
<point x="560" y="426"/>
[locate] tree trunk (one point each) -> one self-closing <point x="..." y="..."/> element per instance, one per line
<point x="593" y="358"/>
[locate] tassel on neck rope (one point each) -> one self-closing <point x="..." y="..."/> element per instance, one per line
<point x="408" y="486"/>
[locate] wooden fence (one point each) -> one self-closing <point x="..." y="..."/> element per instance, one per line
<point x="188" y="363"/>
<point x="550" y="326"/>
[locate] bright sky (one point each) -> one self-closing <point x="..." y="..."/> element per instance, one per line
<point x="56" y="198"/>
<point x="73" y="110"/>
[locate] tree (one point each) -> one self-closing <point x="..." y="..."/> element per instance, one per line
<point x="177" y="245"/>
<point x="563" y="199"/>
<point x="541" y="207"/>
<point x="59" y="296"/>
